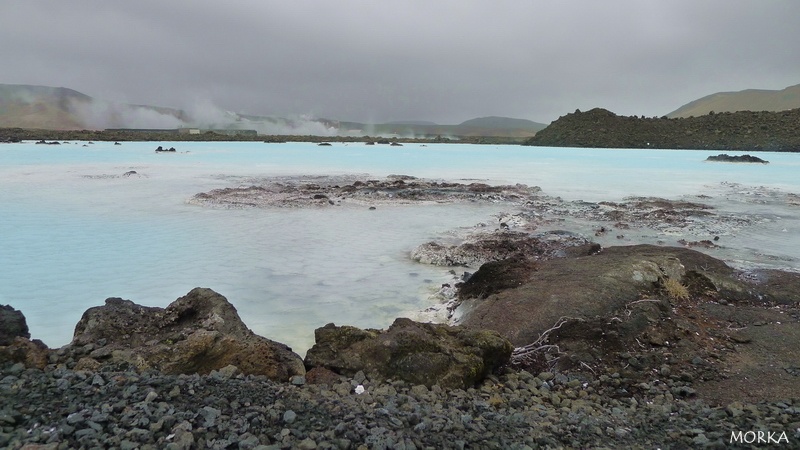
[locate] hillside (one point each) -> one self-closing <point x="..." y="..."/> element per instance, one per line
<point x="58" y="108"/>
<point x="40" y="107"/>
<point x="48" y="108"/>
<point x="747" y="100"/>
<point x="744" y="130"/>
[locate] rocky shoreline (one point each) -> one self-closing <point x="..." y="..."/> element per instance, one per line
<point x="555" y="341"/>
<point x="743" y="130"/>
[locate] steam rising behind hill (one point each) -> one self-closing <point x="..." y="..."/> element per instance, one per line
<point x="52" y="108"/>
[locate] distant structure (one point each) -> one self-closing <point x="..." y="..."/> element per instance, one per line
<point x="226" y="132"/>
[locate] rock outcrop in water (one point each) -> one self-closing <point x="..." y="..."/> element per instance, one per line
<point x="724" y="157"/>
<point x="744" y="130"/>
<point x="197" y="333"/>
<point x="481" y="248"/>
<point x="419" y="353"/>
<point x="323" y="191"/>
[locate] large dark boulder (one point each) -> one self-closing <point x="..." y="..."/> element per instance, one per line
<point x="15" y="343"/>
<point x="419" y="353"/>
<point x="31" y="353"/>
<point x="524" y="300"/>
<point x="12" y="325"/>
<point x="197" y="333"/>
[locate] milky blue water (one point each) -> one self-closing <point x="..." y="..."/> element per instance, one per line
<point x="74" y="231"/>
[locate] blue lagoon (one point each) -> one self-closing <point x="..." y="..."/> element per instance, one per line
<point x="75" y="229"/>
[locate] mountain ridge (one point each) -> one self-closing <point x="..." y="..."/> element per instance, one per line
<point x="745" y="100"/>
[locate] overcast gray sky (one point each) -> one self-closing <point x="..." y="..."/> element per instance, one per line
<point x="384" y="60"/>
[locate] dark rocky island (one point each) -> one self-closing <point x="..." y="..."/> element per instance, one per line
<point x="743" y="130"/>
<point x="724" y="157"/>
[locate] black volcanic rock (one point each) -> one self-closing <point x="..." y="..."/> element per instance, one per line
<point x="744" y="130"/>
<point x="196" y="333"/>
<point x="724" y="157"/>
<point x="12" y="325"/>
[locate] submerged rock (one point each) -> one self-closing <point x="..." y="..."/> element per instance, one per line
<point x="197" y="333"/>
<point x="420" y="353"/>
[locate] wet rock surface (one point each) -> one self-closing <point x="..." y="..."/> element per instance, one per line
<point x="482" y="247"/>
<point x="323" y="191"/>
<point x="197" y="333"/>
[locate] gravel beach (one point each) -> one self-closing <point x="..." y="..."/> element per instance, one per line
<point x="60" y="408"/>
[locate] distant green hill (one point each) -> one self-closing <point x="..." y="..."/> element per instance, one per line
<point x="747" y="100"/>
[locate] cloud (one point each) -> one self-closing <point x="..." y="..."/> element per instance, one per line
<point x="443" y="61"/>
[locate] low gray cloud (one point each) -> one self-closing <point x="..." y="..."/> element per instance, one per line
<point x="444" y="61"/>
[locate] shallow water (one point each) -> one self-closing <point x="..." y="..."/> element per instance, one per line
<point x="74" y="231"/>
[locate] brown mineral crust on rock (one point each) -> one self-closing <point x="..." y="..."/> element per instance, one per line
<point x="593" y="286"/>
<point x="197" y="333"/>
<point x="321" y="375"/>
<point x="12" y="325"/>
<point x="31" y="353"/>
<point x="420" y="353"/>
